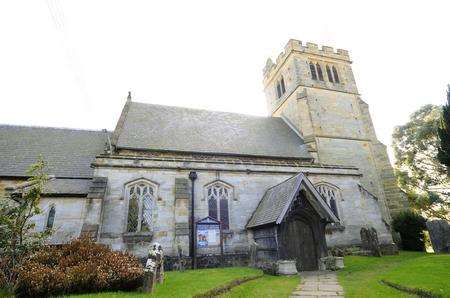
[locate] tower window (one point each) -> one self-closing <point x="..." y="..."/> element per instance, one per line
<point x="312" y="68"/>
<point x="319" y="72"/>
<point x="330" y="76"/>
<point x="51" y="217"/>
<point x="335" y="74"/>
<point x="218" y="195"/>
<point x="281" y="88"/>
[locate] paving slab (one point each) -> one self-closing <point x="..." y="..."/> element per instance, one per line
<point x="318" y="284"/>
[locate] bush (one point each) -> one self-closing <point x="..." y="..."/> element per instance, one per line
<point x="81" y="266"/>
<point x="411" y="227"/>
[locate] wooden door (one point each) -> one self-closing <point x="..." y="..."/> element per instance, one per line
<point x="300" y="245"/>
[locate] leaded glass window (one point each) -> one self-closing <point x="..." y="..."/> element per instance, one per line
<point x="141" y="201"/>
<point x="219" y="195"/>
<point x="330" y="195"/>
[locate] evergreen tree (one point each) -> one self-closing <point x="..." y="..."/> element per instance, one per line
<point x="444" y="135"/>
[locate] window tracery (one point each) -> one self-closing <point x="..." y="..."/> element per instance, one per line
<point x="330" y="195"/>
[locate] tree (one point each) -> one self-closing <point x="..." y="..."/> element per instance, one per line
<point x="419" y="173"/>
<point x="17" y="232"/>
<point x="444" y="135"/>
<point x="410" y="225"/>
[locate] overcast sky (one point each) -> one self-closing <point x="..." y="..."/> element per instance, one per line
<point x="71" y="63"/>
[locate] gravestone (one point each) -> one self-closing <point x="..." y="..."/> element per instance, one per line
<point x="439" y="235"/>
<point x="369" y="241"/>
<point x="154" y="268"/>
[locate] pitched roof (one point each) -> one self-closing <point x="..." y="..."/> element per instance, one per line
<point x="157" y="127"/>
<point x="277" y="200"/>
<point x="67" y="152"/>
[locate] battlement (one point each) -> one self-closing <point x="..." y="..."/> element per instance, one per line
<point x="309" y="48"/>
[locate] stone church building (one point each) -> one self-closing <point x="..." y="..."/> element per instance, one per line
<point x="307" y="177"/>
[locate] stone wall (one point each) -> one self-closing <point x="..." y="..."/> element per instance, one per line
<point x="249" y="183"/>
<point x="69" y="217"/>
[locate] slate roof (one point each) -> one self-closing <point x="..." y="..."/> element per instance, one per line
<point x="277" y="199"/>
<point x="166" y="128"/>
<point x="68" y="186"/>
<point x="67" y="152"/>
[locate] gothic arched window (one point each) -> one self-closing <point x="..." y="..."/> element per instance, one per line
<point x="335" y="74"/>
<point x="330" y="76"/>
<point x="330" y="195"/>
<point x="312" y="68"/>
<point x="219" y="195"/>
<point x="51" y="217"/>
<point x="141" y="202"/>
<point x="319" y="72"/>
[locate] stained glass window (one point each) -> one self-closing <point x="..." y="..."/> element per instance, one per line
<point x="141" y="202"/>
<point x="329" y="195"/>
<point x="219" y="195"/>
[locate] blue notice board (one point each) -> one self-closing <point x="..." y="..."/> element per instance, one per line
<point x="208" y="232"/>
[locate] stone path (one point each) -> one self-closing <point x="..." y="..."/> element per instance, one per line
<point x="318" y="284"/>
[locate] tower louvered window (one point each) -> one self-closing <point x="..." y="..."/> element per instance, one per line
<point x="330" y="195"/>
<point x="219" y="195"/>
<point x="281" y="87"/>
<point x="335" y="74"/>
<point x="141" y="201"/>
<point x="319" y="72"/>
<point x="312" y="68"/>
<point x="329" y="75"/>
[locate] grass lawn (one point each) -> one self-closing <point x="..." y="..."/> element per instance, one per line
<point x="362" y="275"/>
<point x="267" y="286"/>
<point x="187" y="283"/>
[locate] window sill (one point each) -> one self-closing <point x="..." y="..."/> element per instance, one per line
<point x="137" y="237"/>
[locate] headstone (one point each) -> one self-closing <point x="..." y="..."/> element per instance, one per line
<point x="253" y="254"/>
<point x="154" y="268"/>
<point x="369" y="241"/>
<point x="439" y="235"/>
<point x="286" y="267"/>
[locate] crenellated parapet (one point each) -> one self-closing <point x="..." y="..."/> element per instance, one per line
<point x="294" y="45"/>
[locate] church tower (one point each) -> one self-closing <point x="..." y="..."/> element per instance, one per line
<point x="314" y="90"/>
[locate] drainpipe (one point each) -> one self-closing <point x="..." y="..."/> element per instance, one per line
<point x="193" y="250"/>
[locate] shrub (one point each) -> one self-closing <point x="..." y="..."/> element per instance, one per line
<point x="411" y="227"/>
<point x="81" y="266"/>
